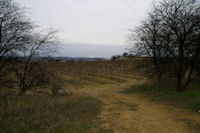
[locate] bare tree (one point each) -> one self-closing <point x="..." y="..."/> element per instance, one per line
<point x="182" y="17"/>
<point x="20" y="40"/>
<point x="14" y="28"/>
<point x="172" y="30"/>
<point x="147" y="40"/>
<point x="30" y="73"/>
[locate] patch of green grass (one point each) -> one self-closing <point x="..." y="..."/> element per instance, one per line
<point x="160" y="92"/>
<point x="44" y="114"/>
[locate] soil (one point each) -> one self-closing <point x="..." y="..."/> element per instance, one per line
<point x="125" y="113"/>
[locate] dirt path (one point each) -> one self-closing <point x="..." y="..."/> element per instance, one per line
<point x="135" y="114"/>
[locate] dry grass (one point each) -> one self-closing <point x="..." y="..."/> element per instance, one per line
<point x="22" y="114"/>
<point x="38" y="111"/>
<point x="166" y="93"/>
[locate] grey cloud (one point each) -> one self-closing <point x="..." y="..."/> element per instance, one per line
<point x="103" y="22"/>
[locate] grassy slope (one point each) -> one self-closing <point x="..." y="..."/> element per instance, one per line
<point x="40" y="114"/>
<point x="189" y="99"/>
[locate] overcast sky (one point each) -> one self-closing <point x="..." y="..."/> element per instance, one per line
<point x="89" y="28"/>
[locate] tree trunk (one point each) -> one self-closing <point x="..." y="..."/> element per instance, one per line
<point x="179" y="83"/>
<point x="190" y="72"/>
<point x="180" y="67"/>
<point x="23" y="81"/>
<point x="0" y="34"/>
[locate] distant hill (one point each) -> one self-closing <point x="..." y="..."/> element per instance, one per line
<point x="73" y="58"/>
